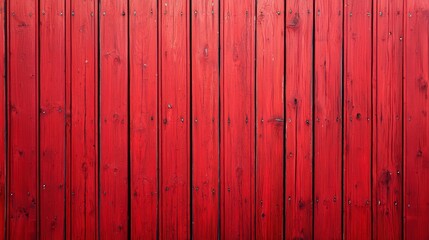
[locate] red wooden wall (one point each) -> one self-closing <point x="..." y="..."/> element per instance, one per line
<point x="214" y="119"/>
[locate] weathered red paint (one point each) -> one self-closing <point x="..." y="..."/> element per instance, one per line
<point x="23" y="124"/>
<point x="328" y="51"/>
<point x="205" y="118"/>
<point x="114" y="120"/>
<point x="299" y="119"/>
<point x="143" y="118"/>
<point x="82" y="193"/>
<point x="387" y="120"/>
<point x="237" y="119"/>
<point x="174" y="110"/>
<point x="416" y="120"/>
<point x="214" y="119"/>
<point x="270" y="76"/>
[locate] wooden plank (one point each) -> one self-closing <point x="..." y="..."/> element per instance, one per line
<point x="205" y="116"/>
<point x="357" y="119"/>
<point x="83" y="196"/>
<point x="52" y="118"/>
<point x="23" y="120"/>
<point x="299" y="125"/>
<point x="175" y="214"/>
<point x="238" y="119"/>
<point x="270" y="57"/>
<point x="387" y="114"/>
<point x="416" y="121"/>
<point x="114" y="120"/>
<point x="3" y="126"/>
<point x="328" y="119"/>
<point x="143" y="118"/>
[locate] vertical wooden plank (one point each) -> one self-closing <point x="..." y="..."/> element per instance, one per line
<point x="83" y="198"/>
<point x="114" y="120"/>
<point x="143" y="118"/>
<point x="238" y="119"/>
<point x="205" y="116"/>
<point x="416" y="122"/>
<point x="387" y="115"/>
<point x="357" y="118"/>
<point x="270" y="56"/>
<point x="3" y="126"/>
<point x="299" y="114"/>
<point x="328" y="118"/>
<point x="23" y="119"/>
<point x="52" y="118"/>
<point x="175" y="116"/>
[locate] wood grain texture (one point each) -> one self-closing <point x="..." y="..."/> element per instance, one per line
<point x="52" y="85"/>
<point x="174" y="108"/>
<point x="237" y="119"/>
<point x="83" y="179"/>
<point x="387" y="115"/>
<point x="299" y="115"/>
<point x="143" y="118"/>
<point x="205" y="116"/>
<point x="23" y="125"/>
<point x="357" y="119"/>
<point x="114" y="87"/>
<point x="270" y="76"/>
<point x="328" y="119"/>
<point x="416" y="120"/>
<point x="3" y="122"/>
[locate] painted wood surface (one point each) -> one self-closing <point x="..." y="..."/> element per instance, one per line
<point x="143" y="114"/>
<point x="214" y="119"/>
<point x="23" y="120"/>
<point x="3" y="120"/>
<point x="52" y="85"/>
<point x="174" y="110"/>
<point x="237" y="120"/>
<point x="416" y="120"/>
<point x="357" y="119"/>
<point x="387" y="120"/>
<point x="299" y="119"/>
<point x="205" y="118"/>
<point x="328" y="124"/>
<point x="114" y="120"/>
<point x="82" y="193"/>
<point x="270" y="80"/>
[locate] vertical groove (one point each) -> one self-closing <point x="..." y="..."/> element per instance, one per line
<point x="191" y="124"/>
<point x="313" y="125"/>
<point x="37" y="31"/>
<point x="342" y="121"/>
<point x="158" y="114"/>
<point x="404" y="30"/>
<point x="371" y="166"/>
<point x="98" y="113"/>
<point x="129" y="177"/>
<point x="6" y="116"/>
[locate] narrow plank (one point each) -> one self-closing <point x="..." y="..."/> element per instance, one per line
<point x="113" y="203"/>
<point x="23" y="119"/>
<point x="416" y="122"/>
<point x="83" y="198"/>
<point x="387" y="116"/>
<point x="357" y="119"/>
<point x="143" y="118"/>
<point x="238" y="119"/>
<point x="175" y="213"/>
<point x="299" y="125"/>
<point x="205" y="116"/>
<point x="270" y="57"/>
<point x="52" y="118"/>
<point x="328" y="118"/>
<point x="3" y="127"/>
